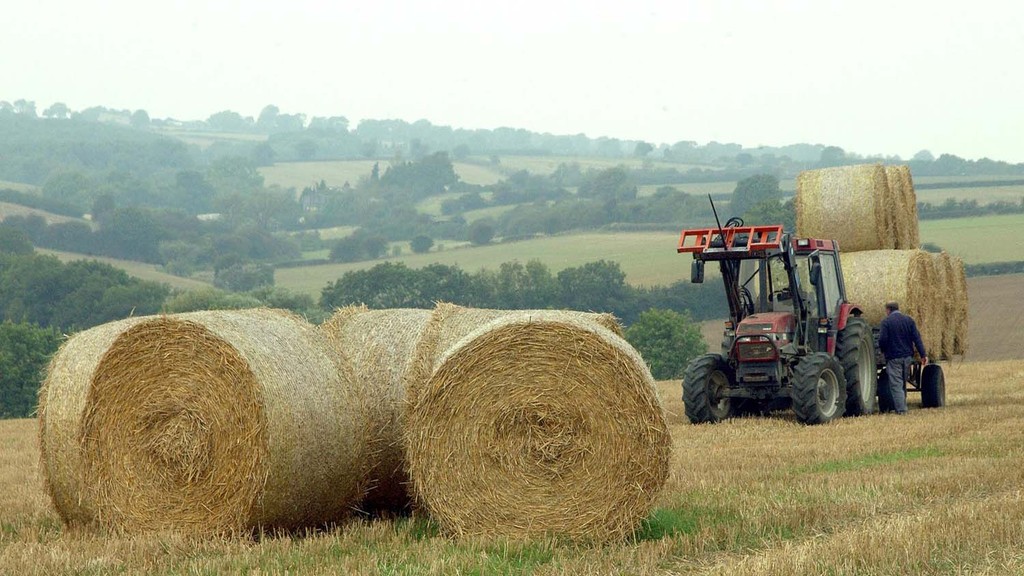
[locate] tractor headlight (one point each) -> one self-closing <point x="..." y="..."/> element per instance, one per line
<point x="756" y="349"/>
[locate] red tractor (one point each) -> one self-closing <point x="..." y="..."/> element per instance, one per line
<point x="792" y="338"/>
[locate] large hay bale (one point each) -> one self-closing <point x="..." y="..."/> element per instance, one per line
<point x="946" y="290"/>
<point x="203" y="422"/>
<point x="381" y="345"/>
<point x="875" y="277"/>
<point x="62" y="402"/>
<point x="959" y="283"/>
<point x="537" y="423"/>
<point x="850" y="204"/>
<point x="901" y="187"/>
<point x="390" y="351"/>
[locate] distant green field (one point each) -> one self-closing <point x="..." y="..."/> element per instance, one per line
<point x="978" y="240"/>
<point x="298" y="175"/>
<point x="204" y="139"/>
<point x="548" y="164"/>
<point x="137" y="269"/>
<point x="20" y="187"/>
<point x="647" y="258"/>
<point x="983" y="194"/>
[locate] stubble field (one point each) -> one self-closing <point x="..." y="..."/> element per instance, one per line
<point x="935" y="492"/>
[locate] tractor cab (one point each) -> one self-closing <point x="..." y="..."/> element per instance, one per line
<point x="786" y="290"/>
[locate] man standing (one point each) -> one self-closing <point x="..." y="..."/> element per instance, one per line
<point x="897" y="339"/>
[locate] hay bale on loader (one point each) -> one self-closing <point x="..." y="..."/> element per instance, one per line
<point x="855" y="206"/>
<point x="875" y="277"/>
<point x="520" y="423"/>
<point x="206" y="422"/>
<point x="946" y="289"/>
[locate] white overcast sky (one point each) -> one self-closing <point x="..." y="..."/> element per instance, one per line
<point x="871" y="76"/>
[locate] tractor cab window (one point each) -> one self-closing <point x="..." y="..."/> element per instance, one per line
<point x="830" y="281"/>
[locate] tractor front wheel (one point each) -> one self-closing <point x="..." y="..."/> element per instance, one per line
<point x="819" y="389"/>
<point x="705" y="383"/>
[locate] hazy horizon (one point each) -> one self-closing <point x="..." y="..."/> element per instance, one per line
<point x="872" y="77"/>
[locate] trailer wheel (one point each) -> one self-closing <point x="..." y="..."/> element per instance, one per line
<point x="933" y="387"/>
<point x="704" y="383"/>
<point x="819" y="389"/>
<point x="855" y="349"/>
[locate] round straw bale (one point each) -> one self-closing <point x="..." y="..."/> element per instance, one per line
<point x="946" y="291"/>
<point x="391" y="351"/>
<point x="901" y="187"/>
<point x="220" y="421"/>
<point x="850" y="204"/>
<point x="959" y="277"/>
<point x="61" y="405"/>
<point x="535" y="424"/>
<point x="381" y="345"/>
<point x="875" y="277"/>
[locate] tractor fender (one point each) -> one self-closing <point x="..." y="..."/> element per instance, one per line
<point x="845" y="311"/>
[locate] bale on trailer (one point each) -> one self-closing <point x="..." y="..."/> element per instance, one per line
<point x="907" y="276"/>
<point x="959" y="284"/>
<point x="534" y="424"/>
<point x="946" y="294"/>
<point x="901" y="187"/>
<point x="850" y="204"/>
<point x="206" y="422"/>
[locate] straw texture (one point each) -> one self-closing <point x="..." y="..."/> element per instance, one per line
<point x="537" y="423"/>
<point x="901" y="187"/>
<point x="945" y="291"/>
<point x="61" y="405"/>
<point x="850" y="204"/>
<point x="906" y="276"/>
<point x="959" y="283"/>
<point x="572" y="365"/>
<point x="204" y="422"/>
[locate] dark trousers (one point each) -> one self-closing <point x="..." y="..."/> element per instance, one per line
<point x="898" y="372"/>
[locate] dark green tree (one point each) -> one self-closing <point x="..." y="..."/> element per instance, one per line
<point x="667" y="340"/>
<point x="481" y="232"/>
<point x="753" y="191"/>
<point x="421" y="244"/>
<point x="25" y="350"/>
<point x="14" y="241"/>
<point x="594" y="287"/>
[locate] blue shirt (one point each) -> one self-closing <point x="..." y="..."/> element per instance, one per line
<point x="899" y="336"/>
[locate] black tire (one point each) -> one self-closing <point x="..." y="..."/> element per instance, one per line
<point x="855" y="350"/>
<point x="819" y="389"/>
<point x="933" y="387"/>
<point x="703" y="383"/>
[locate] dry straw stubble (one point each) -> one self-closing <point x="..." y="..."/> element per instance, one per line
<point x="538" y="423"/>
<point x="216" y="422"/>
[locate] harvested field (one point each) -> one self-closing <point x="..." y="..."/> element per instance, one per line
<point x="749" y="496"/>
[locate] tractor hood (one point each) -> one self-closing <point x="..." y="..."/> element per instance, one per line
<point x="778" y="325"/>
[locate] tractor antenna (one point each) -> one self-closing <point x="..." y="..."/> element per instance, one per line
<point x="721" y="233"/>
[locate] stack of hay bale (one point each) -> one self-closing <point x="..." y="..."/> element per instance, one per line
<point x="871" y="210"/>
<point x="508" y="423"/>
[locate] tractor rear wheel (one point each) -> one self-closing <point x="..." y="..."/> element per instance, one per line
<point x="933" y="387"/>
<point x="855" y="349"/>
<point x="819" y="389"/>
<point x="705" y="382"/>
